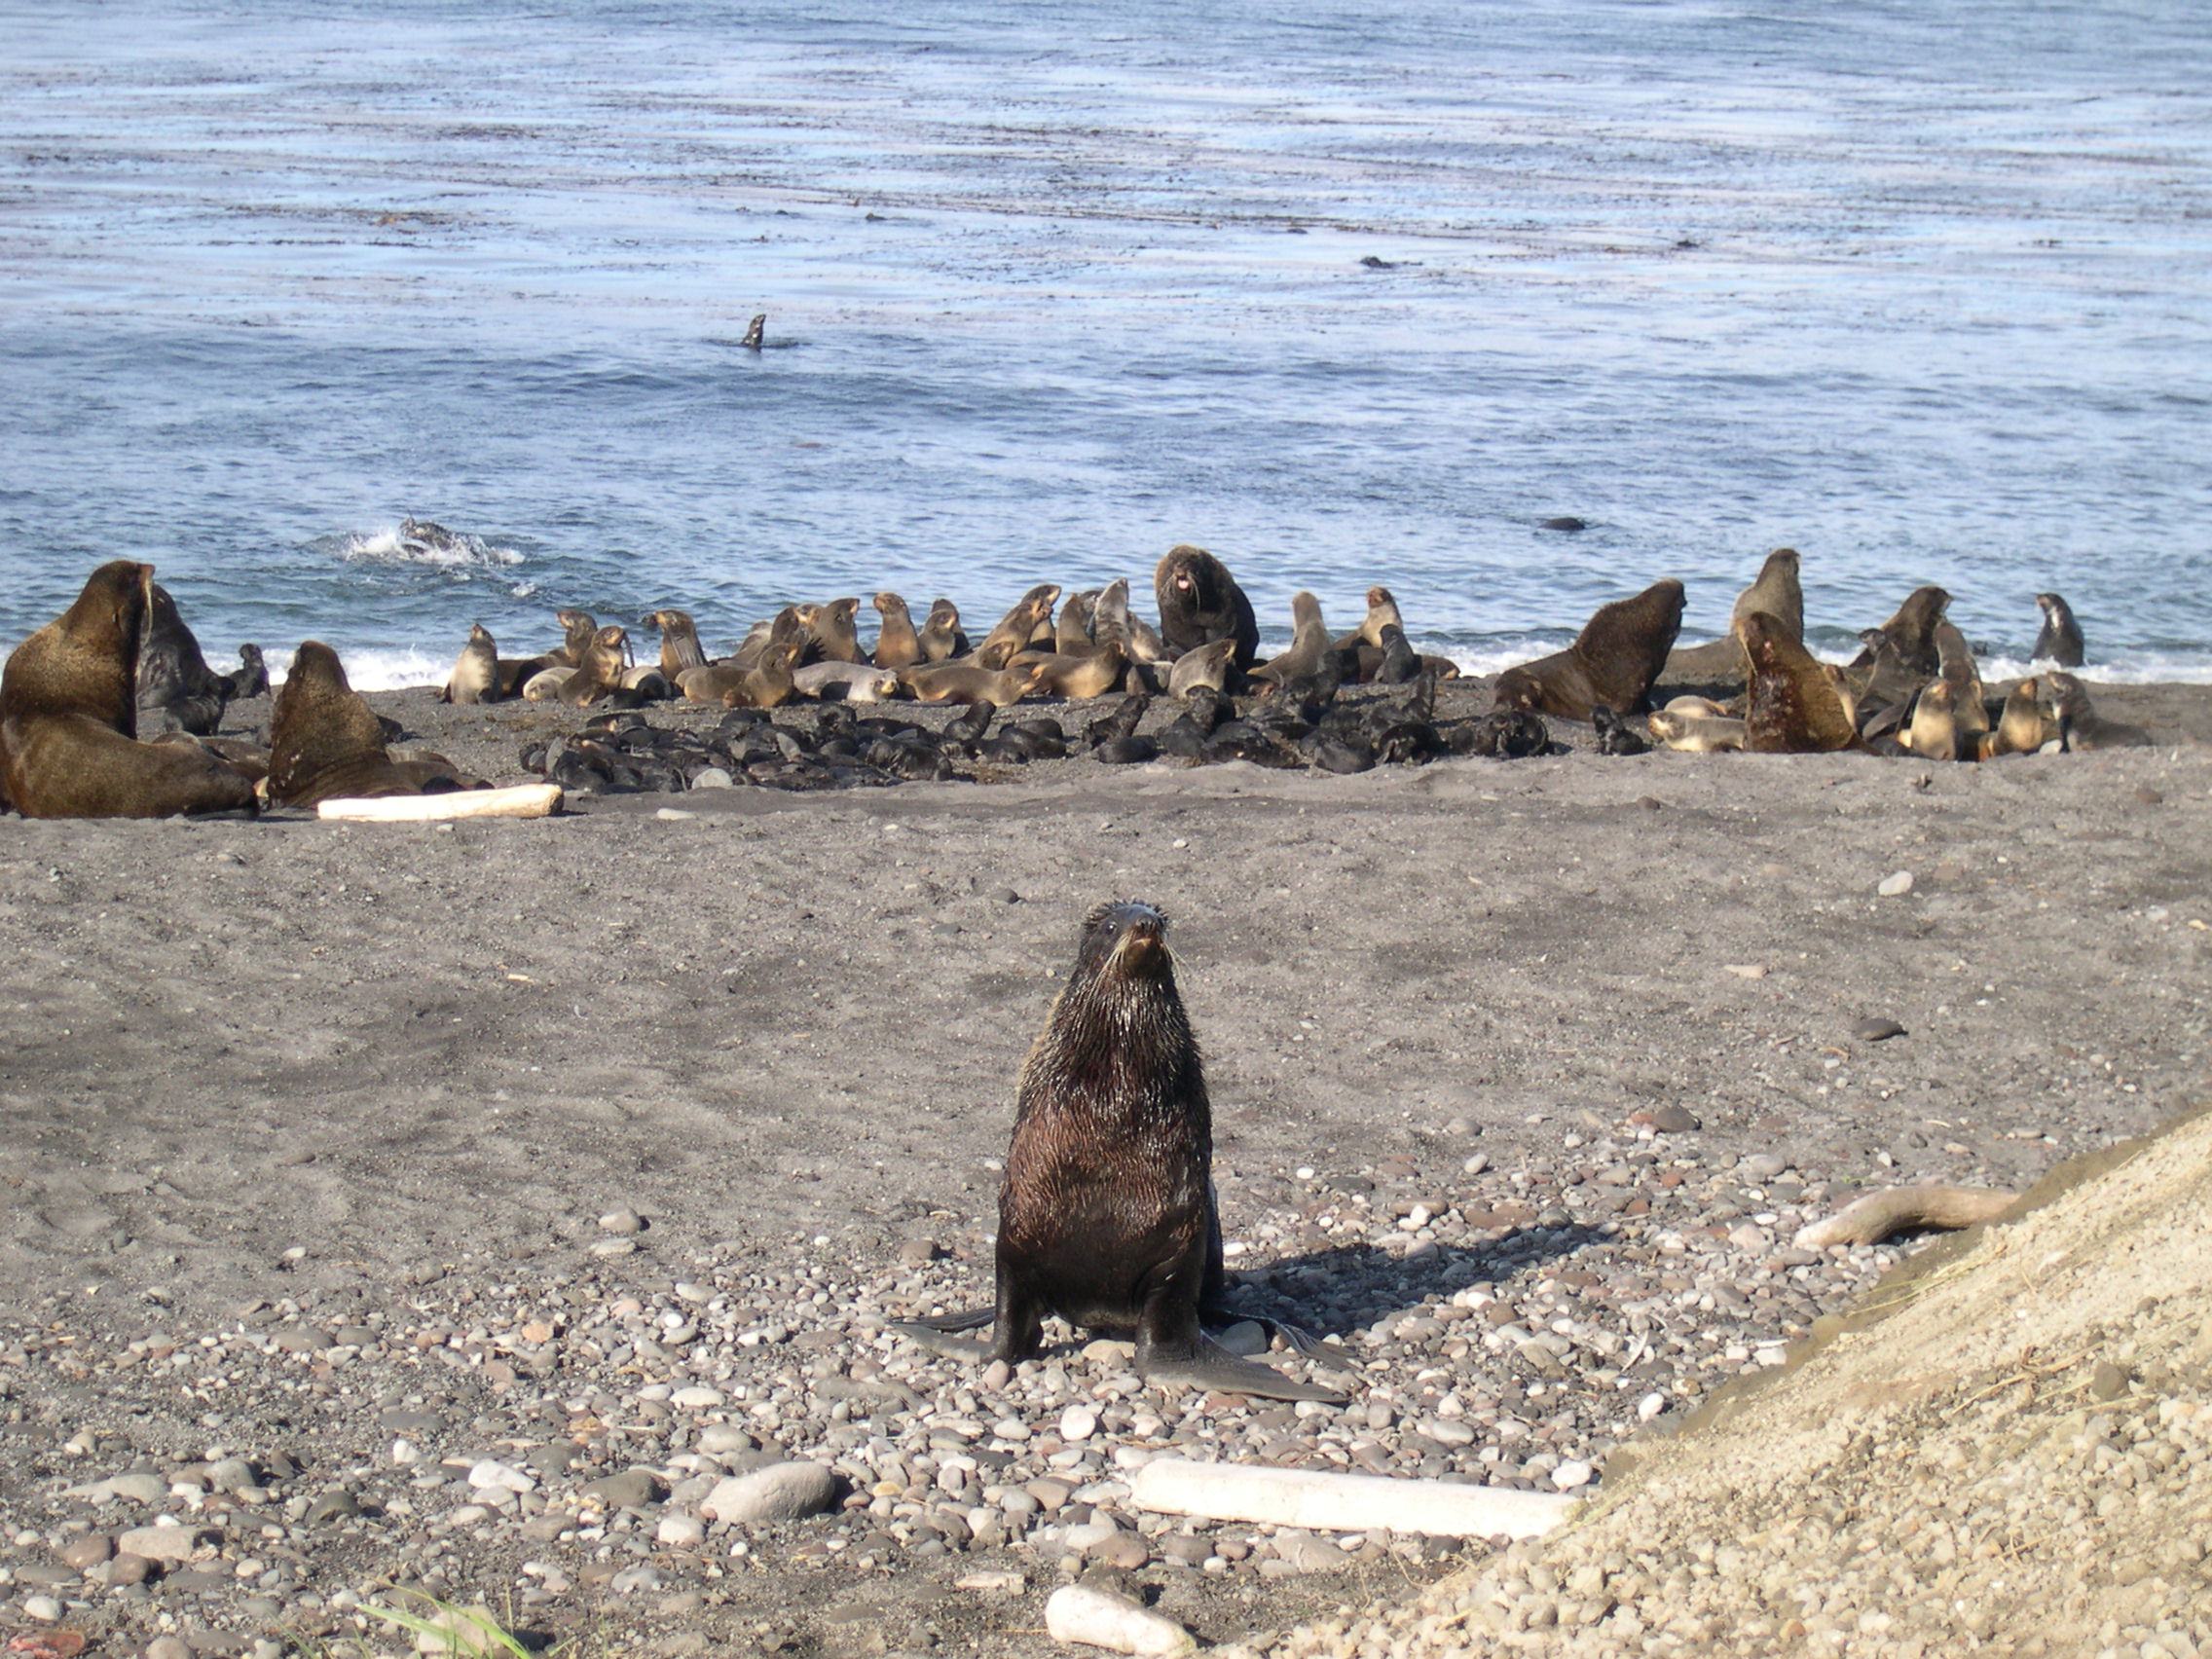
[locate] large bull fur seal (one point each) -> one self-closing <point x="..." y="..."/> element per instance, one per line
<point x="1613" y="661"/>
<point x="325" y="743"/>
<point x="1107" y="1214"/>
<point x="1795" y="705"/>
<point x="1199" y="603"/>
<point x="69" y="717"/>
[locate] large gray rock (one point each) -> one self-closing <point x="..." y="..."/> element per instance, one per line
<point x="171" y="1543"/>
<point x="782" y="1491"/>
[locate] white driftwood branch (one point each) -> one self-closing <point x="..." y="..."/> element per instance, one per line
<point x="1345" y="1503"/>
<point x="1899" y="1209"/>
<point x="523" y="800"/>
<point x="1099" y="1618"/>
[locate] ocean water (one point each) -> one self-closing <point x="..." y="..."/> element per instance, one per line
<point x="1346" y="293"/>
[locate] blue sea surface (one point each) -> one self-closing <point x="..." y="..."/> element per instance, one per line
<point x="1347" y="294"/>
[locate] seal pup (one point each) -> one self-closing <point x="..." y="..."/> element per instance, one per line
<point x="1199" y="603"/>
<point x="69" y="717"/>
<point x="680" y="648"/>
<point x="1310" y="653"/>
<point x="2022" y="729"/>
<point x="1019" y="626"/>
<point x="1092" y="673"/>
<point x="1615" y="736"/>
<point x="1107" y="1215"/>
<point x="1698" y="734"/>
<point x="325" y="743"/>
<point x="896" y="644"/>
<point x="942" y="635"/>
<point x="1614" y="660"/>
<point x="2059" y="642"/>
<point x="475" y="675"/>
<point x="601" y="670"/>
<point x="2080" y="726"/>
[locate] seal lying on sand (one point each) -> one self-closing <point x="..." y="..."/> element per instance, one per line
<point x="325" y="743"/>
<point x="1613" y="660"/>
<point x="1107" y="1213"/>
<point x="69" y="717"/>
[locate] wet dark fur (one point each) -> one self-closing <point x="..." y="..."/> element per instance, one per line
<point x="1199" y="603"/>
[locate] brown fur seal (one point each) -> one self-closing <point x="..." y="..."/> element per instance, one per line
<point x="1777" y="591"/>
<point x="1613" y="660"/>
<point x="2059" y="641"/>
<point x="1311" y="653"/>
<point x="2081" y="727"/>
<point x="1955" y="661"/>
<point x="601" y="671"/>
<point x="1909" y="636"/>
<point x="1090" y="673"/>
<point x="475" y="677"/>
<point x="1111" y="624"/>
<point x="69" y="717"/>
<point x="680" y="648"/>
<point x="1018" y="627"/>
<point x="1071" y="632"/>
<point x="1107" y="1214"/>
<point x="2022" y="729"/>
<point x="1935" y="732"/>
<point x="1206" y="667"/>
<point x="836" y="632"/>
<point x="1381" y="612"/>
<point x="896" y="644"/>
<point x="846" y="681"/>
<point x="1794" y="705"/>
<point x="1199" y="603"/>
<point x="942" y="635"/>
<point x="580" y="630"/>
<point x="325" y="743"/>
<point x="1707" y="734"/>
<point x="970" y="683"/>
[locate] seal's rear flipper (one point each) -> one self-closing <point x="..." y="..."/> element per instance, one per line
<point x="939" y="1333"/>
<point x="1216" y="1368"/>
<point x="1297" y="1337"/>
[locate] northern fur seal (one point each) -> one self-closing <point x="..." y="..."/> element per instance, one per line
<point x="1613" y="660"/>
<point x="69" y="717"/>
<point x="942" y="635"/>
<point x="1909" y="635"/>
<point x="1310" y="651"/>
<point x="601" y="671"/>
<point x="1775" y="590"/>
<point x="969" y="683"/>
<point x="1795" y="705"/>
<point x="325" y="743"/>
<point x="1935" y="734"/>
<point x="2059" y="641"/>
<point x="1107" y="1214"/>
<point x="1091" y="673"/>
<point x="2022" y="729"/>
<point x="1206" y="667"/>
<point x="1955" y="661"/>
<point x="176" y="687"/>
<point x="475" y="677"/>
<point x="896" y="644"/>
<point x="2081" y="727"/>
<point x="1382" y="613"/>
<point x="1019" y="626"/>
<point x="1697" y="734"/>
<point x="849" y="681"/>
<point x="836" y="632"/>
<point x="1199" y="603"/>
<point x="680" y="648"/>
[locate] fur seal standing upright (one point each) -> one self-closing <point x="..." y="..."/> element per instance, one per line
<point x="680" y="648"/>
<point x="580" y="630"/>
<point x="942" y="635"/>
<point x="601" y="671"/>
<point x="325" y="743"/>
<point x="1775" y="590"/>
<point x="1955" y="662"/>
<point x="1019" y="626"/>
<point x="176" y="688"/>
<point x="2060" y="640"/>
<point x="1071" y="633"/>
<point x="1934" y="734"/>
<point x="2021" y="730"/>
<point x="1382" y="613"/>
<point x="1795" y="705"/>
<point x="1199" y="603"/>
<point x="836" y="632"/>
<point x="1107" y="1214"/>
<point x="1910" y="635"/>
<point x="475" y="677"/>
<point x="69" y="717"/>
<point x="896" y="644"/>
<point x="1311" y="653"/>
<point x="1613" y="660"/>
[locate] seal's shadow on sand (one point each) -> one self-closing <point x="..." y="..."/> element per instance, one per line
<point x="1351" y="1286"/>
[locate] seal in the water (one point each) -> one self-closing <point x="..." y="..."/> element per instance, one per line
<point x="1199" y="603"/>
<point x="896" y="644"/>
<point x="475" y="677"/>
<point x="1613" y="660"/>
<point x="1795" y="705"/>
<point x="1107" y="1214"/>
<point x="69" y="717"/>
<point x="2060" y="641"/>
<point x="325" y="743"/>
<point x="756" y="332"/>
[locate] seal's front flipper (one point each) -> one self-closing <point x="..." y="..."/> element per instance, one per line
<point x="1215" y="1367"/>
<point x="939" y="1333"/>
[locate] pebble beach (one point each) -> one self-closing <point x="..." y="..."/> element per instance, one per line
<point x="511" y="1213"/>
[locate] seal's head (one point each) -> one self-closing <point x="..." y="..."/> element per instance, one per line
<point x="1123" y="938"/>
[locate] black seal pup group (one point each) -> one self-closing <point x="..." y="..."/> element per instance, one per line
<point x="1107" y="1214"/>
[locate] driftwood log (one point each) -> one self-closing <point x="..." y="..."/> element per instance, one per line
<point x="1329" y="1502"/>
<point x="522" y="800"/>
<point x="1905" y="1209"/>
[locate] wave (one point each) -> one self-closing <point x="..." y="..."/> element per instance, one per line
<point x="419" y="541"/>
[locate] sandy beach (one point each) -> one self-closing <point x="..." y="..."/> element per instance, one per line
<point x="369" y="1155"/>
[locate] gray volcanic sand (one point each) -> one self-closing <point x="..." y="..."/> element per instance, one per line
<point x="317" y="1066"/>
